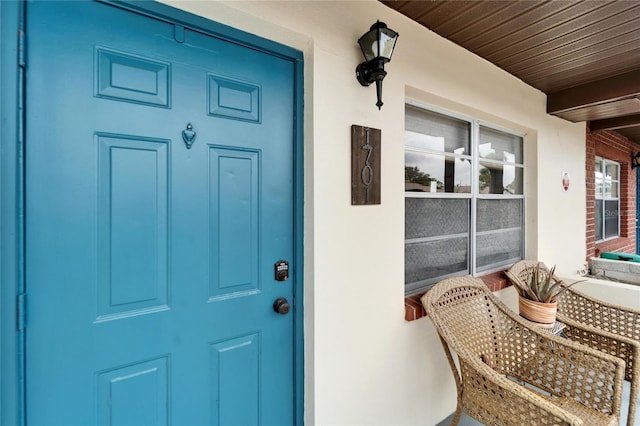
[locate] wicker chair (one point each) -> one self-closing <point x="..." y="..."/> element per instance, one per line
<point x="603" y="326"/>
<point x="512" y="374"/>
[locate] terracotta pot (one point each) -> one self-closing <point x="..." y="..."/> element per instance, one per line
<point x="543" y="313"/>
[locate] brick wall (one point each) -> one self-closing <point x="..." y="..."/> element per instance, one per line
<point x="612" y="146"/>
<point x="413" y="307"/>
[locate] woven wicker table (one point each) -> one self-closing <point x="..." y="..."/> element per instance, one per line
<point x="557" y="329"/>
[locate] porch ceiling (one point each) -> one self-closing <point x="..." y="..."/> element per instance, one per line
<point x="585" y="55"/>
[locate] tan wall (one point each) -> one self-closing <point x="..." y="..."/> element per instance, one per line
<point x="364" y="364"/>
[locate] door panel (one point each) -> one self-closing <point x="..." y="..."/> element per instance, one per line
<point x="132" y="225"/>
<point x="150" y="264"/>
<point x="134" y="395"/>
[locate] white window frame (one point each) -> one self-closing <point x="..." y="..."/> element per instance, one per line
<point x="601" y="196"/>
<point x="474" y="195"/>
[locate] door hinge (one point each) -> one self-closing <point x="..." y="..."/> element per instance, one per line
<point x="21" y="311"/>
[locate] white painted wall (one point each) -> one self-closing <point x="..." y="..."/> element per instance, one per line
<point x="620" y="294"/>
<point x="364" y="364"/>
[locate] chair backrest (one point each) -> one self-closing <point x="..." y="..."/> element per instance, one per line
<point x="596" y="313"/>
<point x="522" y="270"/>
<point x="466" y="315"/>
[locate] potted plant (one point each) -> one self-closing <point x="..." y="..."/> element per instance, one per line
<point x="538" y="290"/>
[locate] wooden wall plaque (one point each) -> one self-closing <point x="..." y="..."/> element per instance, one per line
<point x="365" y="165"/>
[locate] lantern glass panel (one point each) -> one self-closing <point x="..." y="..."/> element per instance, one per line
<point x="387" y="42"/>
<point x="369" y="45"/>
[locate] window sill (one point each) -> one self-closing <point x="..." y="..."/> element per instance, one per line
<point x="413" y="309"/>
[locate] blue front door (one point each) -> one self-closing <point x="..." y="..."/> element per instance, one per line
<point x="159" y="196"/>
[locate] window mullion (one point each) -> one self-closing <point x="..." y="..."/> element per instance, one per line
<point x="441" y="226"/>
<point x="475" y="137"/>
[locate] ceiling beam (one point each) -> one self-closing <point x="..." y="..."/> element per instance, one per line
<point x="598" y="92"/>
<point x="615" y="123"/>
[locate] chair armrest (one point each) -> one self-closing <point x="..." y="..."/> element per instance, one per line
<point x="613" y="344"/>
<point x="566" y="368"/>
<point x="493" y="397"/>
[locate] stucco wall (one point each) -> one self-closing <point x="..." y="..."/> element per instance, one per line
<point x="364" y="365"/>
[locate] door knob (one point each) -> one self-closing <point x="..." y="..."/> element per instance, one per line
<point x="281" y="306"/>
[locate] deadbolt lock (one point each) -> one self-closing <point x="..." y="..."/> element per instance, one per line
<point x="281" y="270"/>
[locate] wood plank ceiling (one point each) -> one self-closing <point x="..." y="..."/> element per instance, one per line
<point x="585" y="55"/>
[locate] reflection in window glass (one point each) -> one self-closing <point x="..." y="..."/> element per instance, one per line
<point x="606" y="187"/>
<point x="428" y="130"/>
<point x="599" y="187"/>
<point x="427" y="142"/>
<point x="500" y="146"/>
<point x="611" y="218"/>
<point x="436" y="173"/>
<point x="599" y="220"/>
<point x="500" y="179"/>
<point x="501" y="156"/>
<point x="611" y="171"/>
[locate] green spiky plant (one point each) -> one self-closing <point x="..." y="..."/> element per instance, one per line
<point x="541" y="285"/>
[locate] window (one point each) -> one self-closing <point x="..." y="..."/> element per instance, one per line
<point x="607" y="199"/>
<point x="464" y="200"/>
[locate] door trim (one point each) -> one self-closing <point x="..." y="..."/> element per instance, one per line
<point x="11" y="220"/>
<point x="12" y="265"/>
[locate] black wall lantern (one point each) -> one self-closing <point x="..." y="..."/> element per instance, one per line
<point x="377" y="47"/>
<point x="635" y="160"/>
